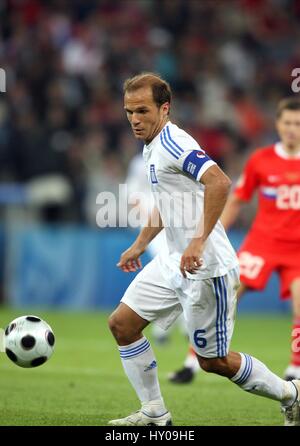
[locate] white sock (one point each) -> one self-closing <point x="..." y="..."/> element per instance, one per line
<point x="191" y="362"/>
<point x="140" y="366"/>
<point x="254" y="377"/>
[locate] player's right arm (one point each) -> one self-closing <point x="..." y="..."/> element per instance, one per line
<point x="243" y="192"/>
<point x="130" y="259"/>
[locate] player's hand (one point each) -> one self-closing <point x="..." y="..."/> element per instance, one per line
<point x="130" y="260"/>
<point x="191" y="259"/>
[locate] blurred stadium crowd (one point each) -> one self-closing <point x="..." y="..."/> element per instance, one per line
<point x="63" y="132"/>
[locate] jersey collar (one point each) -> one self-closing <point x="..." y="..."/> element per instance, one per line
<point x="279" y="150"/>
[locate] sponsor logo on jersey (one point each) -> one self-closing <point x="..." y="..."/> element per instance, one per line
<point x="200" y="155"/>
<point x="153" y="177"/>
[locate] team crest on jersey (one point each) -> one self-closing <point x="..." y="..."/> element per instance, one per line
<point x="153" y="177"/>
<point x="292" y="176"/>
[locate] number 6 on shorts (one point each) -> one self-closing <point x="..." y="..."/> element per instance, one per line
<point x="199" y="340"/>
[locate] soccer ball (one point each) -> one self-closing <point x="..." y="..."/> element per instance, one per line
<point x="29" y="341"/>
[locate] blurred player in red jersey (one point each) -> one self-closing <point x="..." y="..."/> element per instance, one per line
<point x="273" y="242"/>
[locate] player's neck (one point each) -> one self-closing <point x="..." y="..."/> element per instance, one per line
<point x="291" y="149"/>
<point x="157" y="131"/>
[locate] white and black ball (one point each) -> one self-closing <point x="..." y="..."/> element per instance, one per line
<point x="29" y="341"/>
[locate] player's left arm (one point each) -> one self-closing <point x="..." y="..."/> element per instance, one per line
<point x="217" y="187"/>
<point x="216" y="191"/>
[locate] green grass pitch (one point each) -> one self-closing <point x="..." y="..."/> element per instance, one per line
<point x="83" y="384"/>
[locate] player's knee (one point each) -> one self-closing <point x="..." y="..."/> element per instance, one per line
<point x="213" y="365"/>
<point x="119" y="329"/>
<point x="115" y="325"/>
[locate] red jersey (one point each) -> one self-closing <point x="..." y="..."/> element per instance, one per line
<point x="276" y="176"/>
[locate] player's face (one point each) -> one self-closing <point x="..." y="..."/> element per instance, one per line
<point x="288" y="127"/>
<point x="145" y="117"/>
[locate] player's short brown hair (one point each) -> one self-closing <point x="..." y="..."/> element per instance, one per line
<point x="161" y="90"/>
<point x="291" y="103"/>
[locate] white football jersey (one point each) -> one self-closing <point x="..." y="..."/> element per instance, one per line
<point x="137" y="183"/>
<point x="175" y="163"/>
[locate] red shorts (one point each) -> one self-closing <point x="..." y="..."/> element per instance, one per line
<point x="259" y="257"/>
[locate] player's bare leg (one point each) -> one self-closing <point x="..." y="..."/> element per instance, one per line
<point x="293" y="370"/>
<point x="191" y="365"/>
<point x="241" y="291"/>
<point x="126" y="325"/>
<point x="140" y="366"/>
<point x="253" y="376"/>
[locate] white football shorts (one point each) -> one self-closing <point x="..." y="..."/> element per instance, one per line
<point x="208" y="305"/>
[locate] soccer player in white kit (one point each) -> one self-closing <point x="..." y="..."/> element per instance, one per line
<point x="138" y="189"/>
<point x="197" y="273"/>
<point x="137" y="186"/>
